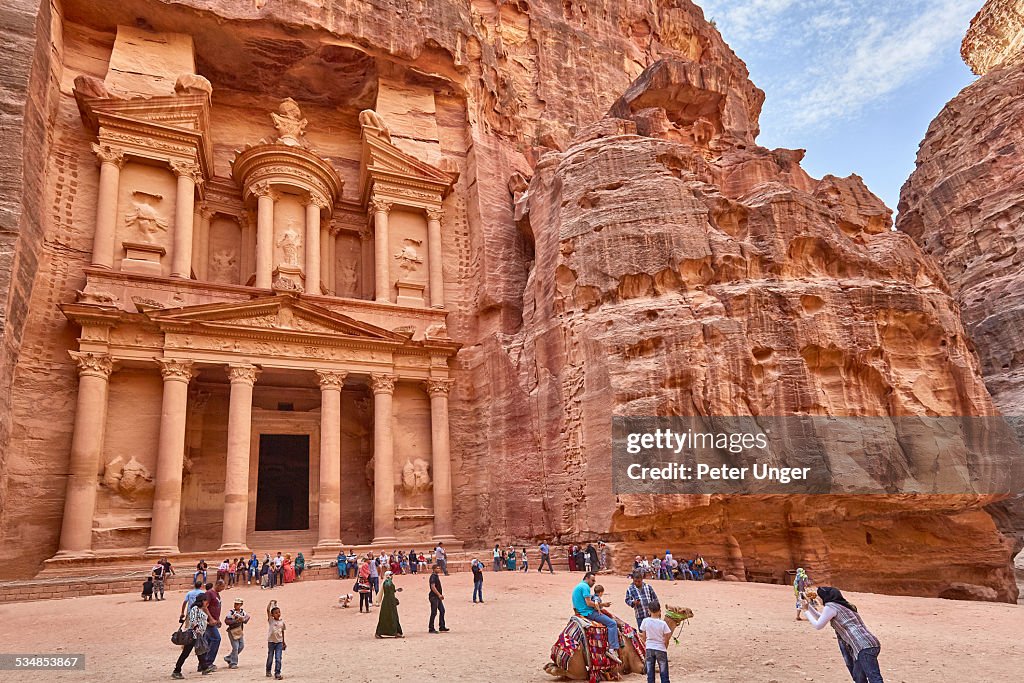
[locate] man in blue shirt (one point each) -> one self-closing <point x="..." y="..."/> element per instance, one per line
<point x="583" y="604"/>
<point x="545" y="556"/>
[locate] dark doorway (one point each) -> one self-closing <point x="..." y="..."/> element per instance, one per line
<point x="282" y="489"/>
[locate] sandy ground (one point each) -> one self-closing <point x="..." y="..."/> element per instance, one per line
<point x="741" y="633"/>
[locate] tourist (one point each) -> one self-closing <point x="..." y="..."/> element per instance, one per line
<point x="584" y="606"/>
<point x="201" y="569"/>
<point x="497" y="558"/>
<point x="254" y="569"/>
<point x="857" y="644"/>
<point x="222" y="570"/>
<point x="656" y="635"/>
<point x="195" y="622"/>
<point x="436" y="597"/>
<point x="510" y="559"/>
<point x="478" y="580"/>
<point x="545" y="557"/>
<point x="396" y="564"/>
<point x="603" y="548"/>
<point x="300" y="565"/>
<point x="342" y="565"/>
<point x="441" y="557"/>
<point x="387" y="619"/>
<point x="236" y="621"/>
<point x="287" y="569"/>
<point x="232" y="572"/>
<point x="278" y="570"/>
<point x="581" y="559"/>
<point x="147" y="589"/>
<point x="640" y="597"/>
<point x="656" y="568"/>
<point x="213" y="625"/>
<point x="590" y="558"/>
<point x="800" y="585"/>
<point x="158" y="573"/>
<point x="266" y="575"/>
<point x="685" y="572"/>
<point x="374" y="576"/>
<point x="190" y="599"/>
<point x="413" y="562"/>
<point x="522" y="556"/>
<point x="422" y="559"/>
<point x="666" y="566"/>
<point x="275" y="639"/>
<point x="572" y="558"/>
<point x="363" y="586"/>
<point x="353" y="562"/>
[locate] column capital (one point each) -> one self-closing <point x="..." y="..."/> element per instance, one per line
<point x="383" y="384"/>
<point x="204" y="211"/>
<point x="331" y="379"/>
<point x="263" y="189"/>
<point x="435" y="214"/>
<point x="108" y="154"/>
<point x="243" y="373"/>
<point x="175" y="370"/>
<point x="437" y="387"/>
<point x="187" y="168"/>
<point x="93" y="364"/>
<point x="379" y="204"/>
<point x="316" y="199"/>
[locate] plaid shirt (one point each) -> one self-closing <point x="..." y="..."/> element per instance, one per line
<point x="850" y="629"/>
<point x="640" y="600"/>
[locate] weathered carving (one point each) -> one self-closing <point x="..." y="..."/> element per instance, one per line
<point x="331" y="379"/>
<point x="435" y="215"/>
<point x="144" y="304"/>
<point x="378" y="204"/>
<point x="409" y="260"/>
<point x="245" y="373"/>
<point x="290" y="243"/>
<point x="127" y="479"/>
<point x="145" y="218"/>
<point x="175" y="370"/>
<point x="94" y="364"/>
<point x="91" y="86"/>
<point x="284" y="283"/>
<point x="224" y="264"/>
<point x="416" y="476"/>
<point x="372" y="121"/>
<point x="95" y="297"/>
<point x="439" y="386"/>
<point x="263" y="189"/>
<point x="108" y="154"/>
<point x="438" y="330"/>
<point x="192" y="84"/>
<point x="349" y="278"/>
<point x="187" y="168"/>
<point x="291" y="127"/>
<point x="382" y="384"/>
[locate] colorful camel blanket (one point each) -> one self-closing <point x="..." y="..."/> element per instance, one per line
<point x="599" y="666"/>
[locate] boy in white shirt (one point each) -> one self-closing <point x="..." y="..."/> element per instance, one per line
<point x="656" y="635"/>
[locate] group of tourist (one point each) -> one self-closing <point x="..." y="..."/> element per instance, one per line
<point x="505" y="559"/>
<point x="668" y="568"/>
<point x="589" y="558"/>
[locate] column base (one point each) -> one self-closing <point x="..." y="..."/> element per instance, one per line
<point x="232" y="548"/>
<point x="329" y="547"/>
<point x="73" y="555"/>
<point x="446" y="538"/>
<point x="162" y="550"/>
<point x="384" y="540"/>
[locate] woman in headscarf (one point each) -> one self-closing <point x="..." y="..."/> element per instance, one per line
<point x="288" y="568"/>
<point x="363" y="586"/>
<point x="857" y="644"/>
<point x="387" y="620"/>
<point x="300" y="564"/>
<point x="510" y="559"/>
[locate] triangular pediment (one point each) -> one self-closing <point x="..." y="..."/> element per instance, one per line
<point x="382" y="158"/>
<point x="285" y="314"/>
<point x="182" y="112"/>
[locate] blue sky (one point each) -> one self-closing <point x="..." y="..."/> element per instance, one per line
<point x="854" y="82"/>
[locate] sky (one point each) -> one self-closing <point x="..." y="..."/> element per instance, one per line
<point x="854" y="82"/>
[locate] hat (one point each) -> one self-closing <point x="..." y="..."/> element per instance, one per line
<point x="239" y="601"/>
<point x="388" y="574"/>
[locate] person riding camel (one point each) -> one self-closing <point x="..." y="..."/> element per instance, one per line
<point x="584" y="605"/>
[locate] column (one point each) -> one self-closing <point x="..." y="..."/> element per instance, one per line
<point x="111" y="162"/>
<point x="184" y="213"/>
<point x="383" y="460"/>
<point x="440" y="447"/>
<point x="264" y="234"/>
<point x="381" y="259"/>
<point x="434" y="257"/>
<point x="332" y="258"/>
<point x="247" y="259"/>
<point x="203" y="267"/>
<point x="86" y="448"/>
<point x="329" y="541"/>
<point x="325" y="256"/>
<point x="313" y="255"/>
<point x="236" y="466"/>
<point x="163" y="536"/>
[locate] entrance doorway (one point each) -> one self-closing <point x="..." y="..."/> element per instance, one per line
<point x="282" y="485"/>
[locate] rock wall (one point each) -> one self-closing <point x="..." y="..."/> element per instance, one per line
<point x="964" y="204"/>
<point x="617" y="243"/>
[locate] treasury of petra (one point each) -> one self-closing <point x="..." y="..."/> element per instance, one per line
<point x="319" y="271"/>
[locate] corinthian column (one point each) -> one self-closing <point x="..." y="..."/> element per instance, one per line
<point x="236" y="466"/>
<point x="163" y="536"/>
<point x="381" y="260"/>
<point x="330" y="462"/>
<point x="189" y="176"/>
<point x="111" y="162"/>
<point x="383" y="460"/>
<point x="264" y="234"/>
<point x="442" y="465"/>
<point x="434" y="257"/>
<point x="313" y="258"/>
<point x="86" y="447"/>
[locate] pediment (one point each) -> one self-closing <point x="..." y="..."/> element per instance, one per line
<point x="284" y="314"/>
<point x="383" y="158"/>
<point x="182" y="112"/>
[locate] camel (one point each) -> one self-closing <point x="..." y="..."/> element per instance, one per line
<point x="632" y="662"/>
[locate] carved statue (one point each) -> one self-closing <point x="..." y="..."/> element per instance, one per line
<point x="126" y="479"/>
<point x="416" y="476"/>
<point x="192" y="84"/>
<point x="349" y="279"/>
<point x="223" y="264"/>
<point x="289" y="244"/>
<point x="291" y="127"/>
<point x="368" y="118"/>
<point x="408" y="257"/>
<point x="438" y="330"/>
<point x="145" y="218"/>
<point x="96" y="297"/>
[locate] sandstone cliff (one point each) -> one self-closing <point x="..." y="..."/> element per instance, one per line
<point x="964" y="204"/>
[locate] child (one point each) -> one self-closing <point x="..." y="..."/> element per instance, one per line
<point x="598" y="599"/>
<point x="147" y="589"/>
<point x="800" y="584"/>
<point x="236" y="621"/>
<point x="265" y="578"/>
<point x="656" y="634"/>
<point x="345" y="600"/>
<point x="275" y="639"/>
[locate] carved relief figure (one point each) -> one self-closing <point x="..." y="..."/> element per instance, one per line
<point x="144" y="217"/>
<point x="126" y="479"/>
<point x="409" y="259"/>
<point x="416" y="476"/>
<point x="290" y="244"/>
<point x="349" y="279"/>
<point x="368" y="118"/>
<point x="224" y="265"/>
<point x="290" y="125"/>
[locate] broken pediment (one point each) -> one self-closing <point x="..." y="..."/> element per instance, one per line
<point x="382" y="161"/>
